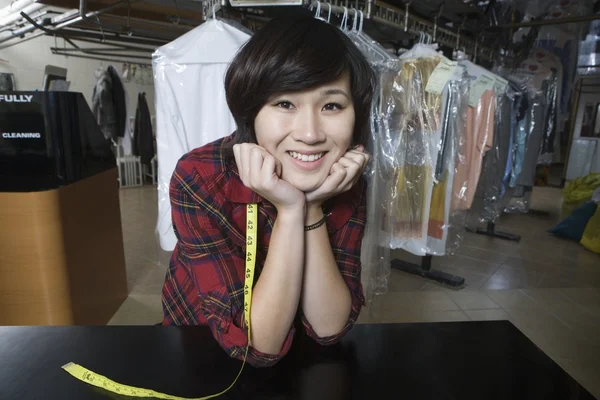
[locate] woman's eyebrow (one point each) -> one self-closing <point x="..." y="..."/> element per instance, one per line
<point x="335" y="91"/>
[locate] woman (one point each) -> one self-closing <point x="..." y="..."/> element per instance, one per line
<point x="300" y="93"/>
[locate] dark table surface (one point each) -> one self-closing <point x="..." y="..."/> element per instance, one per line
<point x="463" y="360"/>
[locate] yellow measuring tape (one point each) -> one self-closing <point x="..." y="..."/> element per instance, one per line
<point x="101" y="381"/>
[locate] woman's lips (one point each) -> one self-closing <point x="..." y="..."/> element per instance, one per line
<point x="307" y="165"/>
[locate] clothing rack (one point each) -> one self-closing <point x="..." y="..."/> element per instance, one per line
<point x="402" y="19"/>
<point x="395" y="17"/>
<point x="491" y="231"/>
<point x="424" y="270"/>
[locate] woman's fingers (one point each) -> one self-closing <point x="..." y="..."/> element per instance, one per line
<point x="255" y="167"/>
<point x="238" y="158"/>
<point x="360" y="157"/>
<point x="268" y="170"/>
<point x="335" y="178"/>
<point x="247" y="163"/>
<point x="355" y="162"/>
<point x="245" y="159"/>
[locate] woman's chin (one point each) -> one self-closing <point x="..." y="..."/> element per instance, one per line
<point x="306" y="186"/>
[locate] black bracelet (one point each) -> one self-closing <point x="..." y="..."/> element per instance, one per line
<point x="316" y="224"/>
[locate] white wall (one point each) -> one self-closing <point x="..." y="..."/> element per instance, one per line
<point x="28" y="59"/>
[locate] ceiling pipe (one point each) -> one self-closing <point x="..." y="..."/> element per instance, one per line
<point x="18" y="24"/>
<point x="15" y="7"/>
<point x="545" y="22"/>
<point x="69" y="52"/>
<point x="55" y="29"/>
<point x="101" y="49"/>
<point x="65" y="16"/>
<point x="101" y="58"/>
<point x="12" y="18"/>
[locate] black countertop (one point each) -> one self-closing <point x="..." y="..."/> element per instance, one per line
<point x="463" y="360"/>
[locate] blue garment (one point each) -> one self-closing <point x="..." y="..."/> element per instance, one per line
<point x="520" y="153"/>
<point x="510" y="160"/>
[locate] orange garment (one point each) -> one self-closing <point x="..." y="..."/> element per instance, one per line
<point x="478" y="139"/>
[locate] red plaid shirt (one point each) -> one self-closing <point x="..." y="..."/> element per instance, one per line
<point x="205" y="279"/>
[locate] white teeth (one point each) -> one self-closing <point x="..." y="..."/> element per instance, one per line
<point x="306" y="157"/>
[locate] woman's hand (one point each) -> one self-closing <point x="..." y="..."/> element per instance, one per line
<point x="261" y="172"/>
<point x="343" y="175"/>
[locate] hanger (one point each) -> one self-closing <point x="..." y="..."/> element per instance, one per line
<point x="355" y="20"/>
<point x="318" y="12"/>
<point x="374" y="52"/>
<point x="344" y="23"/>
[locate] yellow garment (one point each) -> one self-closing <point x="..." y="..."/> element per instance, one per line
<point x="437" y="213"/>
<point x="578" y="192"/>
<point x="408" y="201"/>
<point x="416" y="118"/>
<point x="591" y="235"/>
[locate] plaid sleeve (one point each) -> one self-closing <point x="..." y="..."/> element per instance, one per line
<point x="206" y="274"/>
<point x="346" y="244"/>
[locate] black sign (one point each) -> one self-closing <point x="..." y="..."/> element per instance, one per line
<point x="22" y="130"/>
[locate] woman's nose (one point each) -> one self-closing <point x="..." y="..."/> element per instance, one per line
<point x="308" y="128"/>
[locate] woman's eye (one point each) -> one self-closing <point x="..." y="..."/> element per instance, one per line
<point x="285" y="104"/>
<point x="332" y="107"/>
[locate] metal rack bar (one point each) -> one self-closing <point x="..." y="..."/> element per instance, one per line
<point x="545" y="22"/>
<point x="393" y="16"/>
<point x="337" y="7"/>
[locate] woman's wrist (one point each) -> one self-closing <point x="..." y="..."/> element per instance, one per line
<point x="314" y="214"/>
<point x="292" y="215"/>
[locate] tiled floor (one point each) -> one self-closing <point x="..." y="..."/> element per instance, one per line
<point x="548" y="287"/>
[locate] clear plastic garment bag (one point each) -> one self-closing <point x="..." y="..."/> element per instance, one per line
<point x="191" y="109"/>
<point x="421" y="153"/>
<point x="375" y="259"/>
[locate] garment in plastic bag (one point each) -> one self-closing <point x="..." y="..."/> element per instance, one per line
<point x="490" y="190"/>
<point x="446" y="223"/>
<point x="589" y="55"/>
<point x="191" y="109"/>
<point x="415" y="138"/>
<point x="553" y="92"/>
<point x="408" y="150"/>
<point x="565" y="46"/>
<point x="375" y="258"/>
<point x="549" y="130"/>
<point x="581" y="159"/>
<point x="479" y="135"/>
<point x="530" y="133"/>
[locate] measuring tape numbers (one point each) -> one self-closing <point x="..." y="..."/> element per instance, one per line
<point x="103" y="382"/>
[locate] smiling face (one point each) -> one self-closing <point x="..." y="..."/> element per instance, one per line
<point x="307" y="131"/>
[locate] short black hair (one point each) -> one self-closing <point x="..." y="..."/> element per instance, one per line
<point x="291" y="54"/>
